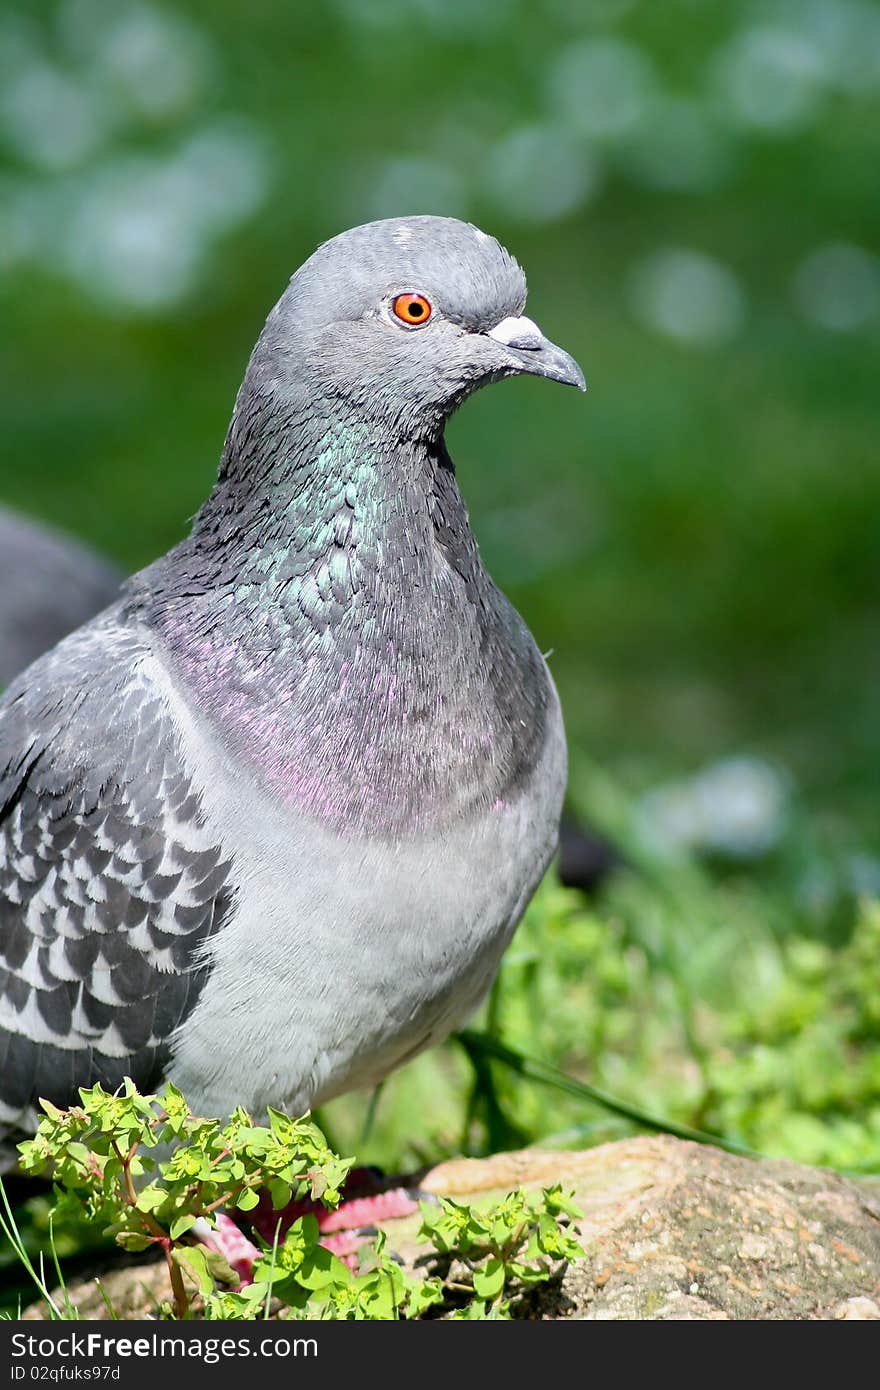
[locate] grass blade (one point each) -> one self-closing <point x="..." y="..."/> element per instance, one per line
<point x="10" y="1229"/>
<point x="481" y="1045"/>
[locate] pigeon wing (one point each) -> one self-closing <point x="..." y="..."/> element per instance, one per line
<point x="110" y="882"/>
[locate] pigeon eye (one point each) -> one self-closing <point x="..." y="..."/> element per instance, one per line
<point x="413" y="309"/>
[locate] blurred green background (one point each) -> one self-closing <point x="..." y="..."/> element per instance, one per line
<point x="693" y="190"/>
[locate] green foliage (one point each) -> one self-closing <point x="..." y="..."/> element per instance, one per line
<point x="487" y="1258"/>
<point x="312" y="1282"/>
<point x="104" y="1157"/>
<point x="683" y="998"/>
<point x="514" y="1245"/>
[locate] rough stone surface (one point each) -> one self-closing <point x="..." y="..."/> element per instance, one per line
<point x="672" y="1231"/>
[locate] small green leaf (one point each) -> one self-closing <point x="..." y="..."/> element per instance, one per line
<point x="421" y="1295"/>
<point x="150" y="1197"/>
<point x="133" y="1241"/>
<point x="219" y="1267"/>
<point x="320" y="1268"/>
<point x="192" y="1258"/>
<point x="472" y="1312"/>
<point x="181" y="1224"/>
<point x="280" y="1193"/>
<point x="489" y="1278"/>
<point x="557" y="1201"/>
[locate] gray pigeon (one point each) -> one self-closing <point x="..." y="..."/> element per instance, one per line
<point x="268" y="823"/>
<point x="49" y="584"/>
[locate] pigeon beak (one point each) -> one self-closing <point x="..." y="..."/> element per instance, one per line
<point x="533" y="353"/>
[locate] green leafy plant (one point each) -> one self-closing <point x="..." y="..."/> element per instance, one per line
<point x="482" y="1260"/>
<point x="103" y="1156"/>
<point x="153" y="1175"/>
<point x="718" y="1000"/>
<point x="519" y="1242"/>
<point x="310" y="1281"/>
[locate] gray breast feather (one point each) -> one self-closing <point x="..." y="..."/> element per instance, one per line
<point x="110" y="882"/>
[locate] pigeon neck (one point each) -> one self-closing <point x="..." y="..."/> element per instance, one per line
<point x="330" y="619"/>
<point x="321" y="505"/>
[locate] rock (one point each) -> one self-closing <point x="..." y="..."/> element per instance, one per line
<point x="859" y="1309"/>
<point x="682" y="1231"/>
<point x="672" y="1232"/>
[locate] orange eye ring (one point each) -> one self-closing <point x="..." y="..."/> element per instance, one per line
<point x="412" y="309"/>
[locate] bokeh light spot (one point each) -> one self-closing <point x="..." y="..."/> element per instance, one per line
<point x="601" y="87"/>
<point x="838" y="288"/>
<point x="769" y="79"/>
<point x="687" y="295"/>
<point x="538" y="174"/>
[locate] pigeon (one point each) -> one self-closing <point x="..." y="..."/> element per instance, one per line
<point x="49" y="584"/>
<point x="268" y="822"/>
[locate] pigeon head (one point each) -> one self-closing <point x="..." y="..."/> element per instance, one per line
<point x="402" y="319"/>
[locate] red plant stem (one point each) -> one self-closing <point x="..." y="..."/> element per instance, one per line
<point x="230" y="1197"/>
<point x="181" y="1301"/>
